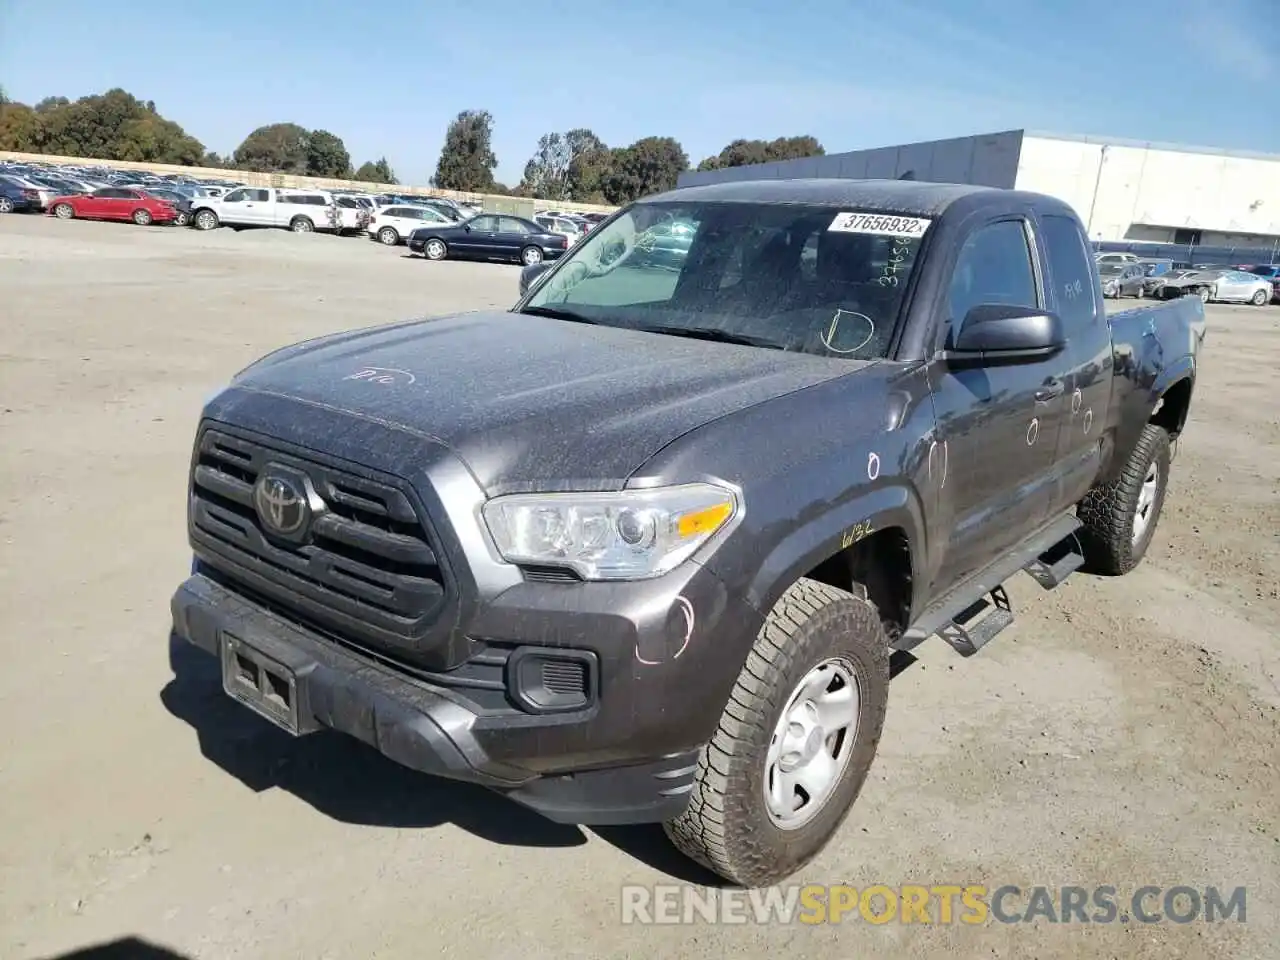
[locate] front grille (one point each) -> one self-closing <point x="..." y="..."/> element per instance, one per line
<point x="367" y="569"/>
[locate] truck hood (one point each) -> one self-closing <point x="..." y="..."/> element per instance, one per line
<point x="535" y="403"/>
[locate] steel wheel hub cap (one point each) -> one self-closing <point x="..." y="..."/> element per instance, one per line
<point x="1146" y="501"/>
<point x="811" y="744"/>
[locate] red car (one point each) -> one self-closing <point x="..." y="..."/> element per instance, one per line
<point x="114" y="203"/>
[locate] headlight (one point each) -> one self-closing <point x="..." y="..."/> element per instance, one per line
<point x="628" y="535"/>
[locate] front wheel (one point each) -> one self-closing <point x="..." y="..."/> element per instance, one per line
<point x="389" y="236"/>
<point x="64" y="211"/>
<point x="1260" y="298"/>
<point x="142" y="217"/>
<point x="795" y="741"/>
<point x="435" y="250"/>
<point x="1205" y="294"/>
<point x="531" y="255"/>
<point x="206" y="220"/>
<point x="1120" y="517"/>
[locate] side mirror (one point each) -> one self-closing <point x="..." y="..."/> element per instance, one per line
<point x="997" y="333"/>
<point x="530" y="274"/>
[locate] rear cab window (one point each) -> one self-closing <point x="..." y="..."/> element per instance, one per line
<point x="1071" y="272"/>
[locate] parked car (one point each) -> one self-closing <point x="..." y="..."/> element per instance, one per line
<point x="181" y="202"/>
<point x="1122" y="279"/>
<point x="489" y="236"/>
<point x="1271" y="272"/>
<point x="15" y="198"/>
<point x="302" y="211"/>
<point x="1218" y="284"/>
<point x="114" y="203"/>
<point x="43" y="195"/>
<point x="394" y="224"/>
<point x="1101" y="258"/>
<point x="553" y="224"/>
<point x="609" y="553"/>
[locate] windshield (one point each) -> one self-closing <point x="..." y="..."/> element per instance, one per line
<point x="813" y="279"/>
<point x="1109" y="269"/>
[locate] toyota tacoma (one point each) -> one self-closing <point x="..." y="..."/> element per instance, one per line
<point x="639" y="549"/>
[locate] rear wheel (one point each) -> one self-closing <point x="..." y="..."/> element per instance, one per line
<point x="302" y="225"/>
<point x="435" y="250"/>
<point x="181" y="220"/>
<point x="389" y="236"/>
<point x="795" y="741"/>
<point x="1205" y="294"/>
<point x="64" y="211"/>
<point x="1260" y="298"/>
<point x="142" y="217"/>
<point x="531" y="255"/>
<point x="6" y="205"/>
<point x="1120" y="517"/>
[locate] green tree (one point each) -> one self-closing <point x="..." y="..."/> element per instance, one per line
<point x="51" y="103"/>
<point x="21" y="128"/>
<point x="275" y="148"/>
<point x="327" y="155"/>
<point x="589" y="164"/>
<point x="741" y="153"/>
<point x="546" y="175"/>
<point x="467" y="159"/>
<point x="649" y="165"/>
<point x="378" y="171"/>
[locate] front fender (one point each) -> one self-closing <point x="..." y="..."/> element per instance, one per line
<point x="826" y="533"/>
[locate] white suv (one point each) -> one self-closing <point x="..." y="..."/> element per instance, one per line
<point x="393" y="224"/>
<point x="302" y="211"/>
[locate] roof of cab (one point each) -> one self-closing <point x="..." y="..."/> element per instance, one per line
<point x="913" y="197"/>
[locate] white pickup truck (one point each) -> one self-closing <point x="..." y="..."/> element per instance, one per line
<point x="302" y="211"/>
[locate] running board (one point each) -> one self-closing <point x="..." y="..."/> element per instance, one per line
<point x="970" y="631"/>
<point x="1042" y="555"/>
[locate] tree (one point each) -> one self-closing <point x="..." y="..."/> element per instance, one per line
<point x="110" y="126"/>
<point x="327" y="155"/>
<point x="376" y="172"/>
<point x="650" y="165"/>
<point x="546" y="175"/>
<point x="591" y="160"/>
<point x="467" y="159"/>
<point x="741" y="153"/>
<point x="275" y="148"/>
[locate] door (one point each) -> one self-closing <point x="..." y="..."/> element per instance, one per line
<point x="1086" y="362"/>
<point x="481" y="239"/>
<point x="258" y="208"/>
<point x="232" y="207"/>
<point x="513" y="236"/>
<point x="113" y="203"/>
<point x="995" y="442"/>
<point x="93" y="204"/>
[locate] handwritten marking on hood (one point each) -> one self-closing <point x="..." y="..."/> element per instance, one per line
<point x="386" y="376"/>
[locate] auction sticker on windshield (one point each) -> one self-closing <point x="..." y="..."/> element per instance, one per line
<point x="880" y="225"/>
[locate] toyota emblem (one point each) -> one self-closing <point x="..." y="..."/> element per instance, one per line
<point x="281" y="502"/>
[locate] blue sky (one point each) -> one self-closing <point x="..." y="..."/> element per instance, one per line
<point x="388" y="75"/>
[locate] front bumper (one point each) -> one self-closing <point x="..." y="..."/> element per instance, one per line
<point x="629" y="758"/>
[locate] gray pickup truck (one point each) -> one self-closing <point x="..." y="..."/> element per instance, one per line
<point x="639" y="549"/>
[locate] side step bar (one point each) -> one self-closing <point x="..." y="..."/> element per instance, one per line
<point x="977" y="610"/>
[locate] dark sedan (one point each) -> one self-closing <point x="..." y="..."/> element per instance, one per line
<point x="489" y="236"/>
<point x="15" y="198"/>
<point x="180" y="201"/>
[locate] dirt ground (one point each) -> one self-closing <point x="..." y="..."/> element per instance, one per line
<point x="1123" y="732"/>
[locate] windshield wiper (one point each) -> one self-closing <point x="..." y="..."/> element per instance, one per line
<point x="556" y="313"/>
<point x="710" y="333"/>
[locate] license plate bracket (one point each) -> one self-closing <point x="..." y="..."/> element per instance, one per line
<point x="264" y="685"/>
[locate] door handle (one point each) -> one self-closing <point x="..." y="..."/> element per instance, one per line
<point x="1049" y="391"/>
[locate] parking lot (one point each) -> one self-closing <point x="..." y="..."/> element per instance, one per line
<point x="1123" y="732"/>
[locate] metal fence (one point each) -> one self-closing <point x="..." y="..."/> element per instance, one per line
<point x="1191" y="253"/>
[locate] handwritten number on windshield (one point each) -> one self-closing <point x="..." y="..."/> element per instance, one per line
<point x="897" y="257"/>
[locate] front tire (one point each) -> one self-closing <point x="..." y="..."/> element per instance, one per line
<point x="1260" y="298"/>
<point x="389" y="236"/>
<point x="206" y="220"/>
<point x="1205" y="294"/>
<point x="795" y="741"/>
<point x="64" y="211"/>
<point x="1120" y="517"/>
<point x="435" y="250"/>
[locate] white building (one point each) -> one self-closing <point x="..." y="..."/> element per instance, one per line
<point x="1123" y="190"/>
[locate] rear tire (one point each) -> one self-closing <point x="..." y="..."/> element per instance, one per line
<point x="531" y="255"/>
<point x="743" y="821"/>
<point x="142" y="218"/>
<point x="6" y="205"/>
<point x="1120" y="517"/>
<point x="302" y="225"/>
<point x="1205" y="294"/>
